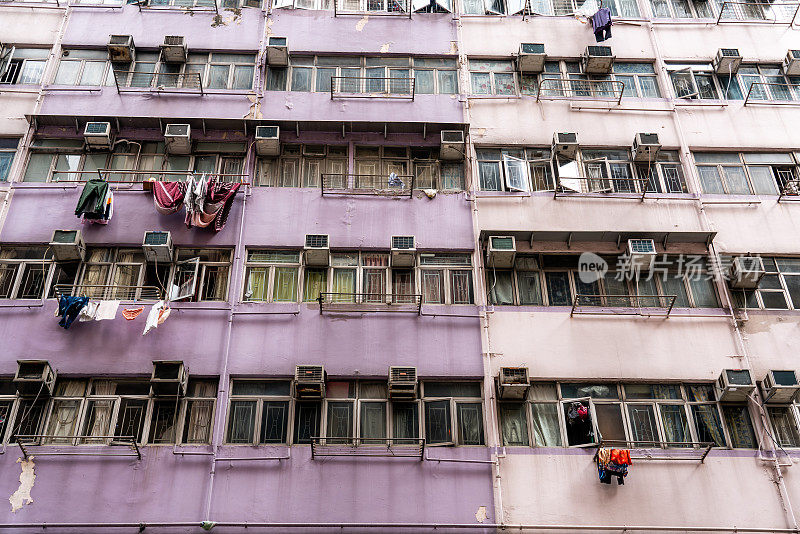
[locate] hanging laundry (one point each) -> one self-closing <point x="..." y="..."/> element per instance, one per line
<point x="395" y="181"/>
<point x="168" y="196"/>
<point x="108" y="212"/>
<point x="69" y="308"/>
<point x="613" y="462"/>
<point x="92" y="201"/>
<point x="132" y="313"/>
<point x="88" y="312"/>
<point x="106" y="309"/>
<point x="601" y="24"/>
<point x="222" y="194"/>
<point x="158" y="314"/>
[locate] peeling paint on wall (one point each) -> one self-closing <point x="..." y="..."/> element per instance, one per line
<point x="255" y="108"/>
<point x="384" y="48"/>
<point x="26" y="479"/>
<point x="480" y="515"/>
<point x="235" y="16"/>
<point x="361" y="23"/>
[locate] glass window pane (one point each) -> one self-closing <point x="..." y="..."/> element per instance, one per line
<point x="785" y="426"/>
<point x="218" y="76"/>
<point x="703" y="292"/>
<point x="276" y="79"/>
<point x="452" y="389"/>
<point x="424" y="81"/>
<point x="470" y="424"/>
<point x="340" y="421"/>
<point x="274" y="419"/>
<point x="649" y="87"/>
<point x="306" y="421"/>
<point x="513" y="423"/>
<point x="67" y="72"/>
<point x="448" y="82"/>
<point x="198" y="421"/>
<point x="504" y="83"/>
<point x="461" y="287"/>
<point x="92" y="73"/>
<point x="676" y="426"/>
<point x="316" y="282"/>
<point x="6" y="159"/>
<point x="596" y="391"/>
<point x="243" y="76"/>
<point x="373" y="420"/>
<point x="558" y="291"/>
<point x="578" y="419"/>
<point x="544" y="420"/>
<point x="405" y="420"/>
<point x="163" y="422"/>
<point x="481" y="83"/>
<point x="324" y="79"/>
<point x="643" y="424"/>
<point x="241" y="421"/>
<point x="301" y="79"/>
<point x="710" y="180"/>
<point x="38" y="168"/>
<point x="707" y="422"/>
<point x="609" y="421"/>
<point x="501" y="289"/>
<point x="130" y="420"/>
<point x="740" y="428"/>
<point x="530" y="292"/>
<point x="793" y="287"/>
<point x="432" y="286"/>
<point x="437" y="422"/>
<point x="736" y="180"/>
<point x="63" y="420"/>
<point x="489" y="172"/>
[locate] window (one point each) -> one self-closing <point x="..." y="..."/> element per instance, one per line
<point x="784" y="425"/>
<point x="354" y="74"/>
<point x="82" y="67"/>
<point x="619" y="8"/>
<point x="25" y="272"/>
<point x="514" y="169"/>
<point x="258" y="412"/>
<point x="272" y="276"/>
<point x="211" y="271"/>
<point x="8" y="147"/>
<point x="779" y="289"/>
<point x="681" y="9"/>
<point x="643" y="415"/>
<point x="446" y="278"/>
<point x="552" y="281"/>
<point x="730" y="173"/>
<point x="492" y="77"/>
<point x="303" y="165"/>
<point x="639" y="80"/>
<point x="102" y="410"/>
<point x="215" y="70"/>
<point x="698" y="81"/>
<point x="351" y="6"/>
<point x="204" y="4"/>
<point x="22" y="66"/>
<point x="449" y="406"/>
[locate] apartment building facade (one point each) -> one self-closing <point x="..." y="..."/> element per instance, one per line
<point x="417" y="309"/>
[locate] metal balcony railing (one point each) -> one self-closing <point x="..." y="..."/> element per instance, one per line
<point x="128" y="81"/>
<point x="763" y="12"/>
<point x="369" y="302"/>
<point x="131" y="176"/>
<point x="373" y="8"/>
<point x="575" y="89"/>
<point x="607" y="304"/>
<point x="322" y="447"/>
<point x="661" y="450"/>
<point x="773" y="93"/>
<point x="31" y="443"/>
<point x="109" y="292"/>
<point x="367" y="87"/>
<point x="601" y="187"/>
<point x="367" y="184"/>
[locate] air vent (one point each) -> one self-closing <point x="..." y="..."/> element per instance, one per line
<point x="565" y="144"/>
<point x="177" y="138"/>
<point x="403" y="383"/>
<point x="97" y="134"/>
<point x="531" y="57"/>
<point x="121" y="49"/>
<point x="278" y="52"/>
<point x="169" y="378"/>
<point x="735" y="385"/>
<point x="67" y="245"/>
<point x="317" y="253"/>
<point x="513" y="383"/>
<point x="316" y="241"/>
<point x="403" y="242"/>
<point x="598" y="60"/>
<point x="780" y="387"/>
<point x="727" y="61"/>
<point x="745" y="272"/>
<point x="157" y="247"/>
<point x="309" y="381"/>
<point x="452" y="145"/>
<point x="501" y="252"/>
<point x="34" y="378"/>
<point x="641" y="253"/>
<point x="646" y="147"/>
<point x="174" y="49"/>
<point x="404" y="251"/>
<point x="268" y="141"/>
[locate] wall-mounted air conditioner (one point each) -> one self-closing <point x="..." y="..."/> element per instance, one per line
<point x="452" y="145"/>
<point x="402" y="383"/>
<point x="598" y="60"/>
<point x="34" y="378"/>
<point x="531" y="57"/>
<point x="565" y="144"/>
<point x="174" y="49"/>
<point x="309" y="381"/>
<point x="157" y="247"/>
<point x="501" y="251"/>
<point x="735" y="385"/>
<point x="97" y="134"/>
<point x="317" y="251"/>
<point x="745" y="272"/>
<point x="791" y="65"/>
<point x="67" y="245"/>
<point x="268" y="140"/>
<point x="277" y="52"/>
<point x="169" y="378"/>
<point x="727" y="61"/>
<point x="121" y="49"/>
<point x="177" y="138"/>
<point x="513" y="382"/>
<point x="642" y="253"/>
<point x="646" y="147"/>
<point x="780" y="387"/>
<point x="404" y="251"/>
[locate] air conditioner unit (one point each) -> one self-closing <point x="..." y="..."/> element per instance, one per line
<point x="121" y="49"/>
<point x="67" y="245"/>
<point x="268" y="142"/>
<point x="402" y="383"/>
<point x="317" y="251"/>
<point x="646" y="147"/>
<point x="178" y="139"/>
<point x="513" y="382"/>
<point x="780" y="387"/>
<point x="97" y="134"/>
<point x="735" y="385"/>
<point x="727" y="61"/>
<point x="309" y="381"/>
<point x="598" y="60"/>
<point x="565" y="144"/>
<point x="34" y="377"/>
<point x="404" y="251"/>
<point x="745" y="272"/>
<point x="169" y="378"/>
<point x="642" y="253"/>
<point x="277" y="52"/>
<point x="791" y="66"/>
<point x="157" y="247"/>
<point x="501" y="252"/>
<point x="531" y="57"/>
<point x="452" y="145"/>
<point x="174" y="49"/>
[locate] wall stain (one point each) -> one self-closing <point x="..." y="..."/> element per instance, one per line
<point x="481" y="515"/>
<point x="26" y="479"/>
<point x="361" y="23"/>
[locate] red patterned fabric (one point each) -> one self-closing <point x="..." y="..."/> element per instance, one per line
<point x="168" y="196"/>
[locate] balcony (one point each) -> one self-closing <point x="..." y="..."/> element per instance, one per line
<point x="370" y="302"/>
<point x="607" y="304"/>
<point x="128" y="81"/>
<point x="785" y="94"/>
<point x="367" y="184"/>
<point x="371" y="447"/>
<point x="109" y="292"/>
<point x="580" y="90"/>
<point x="367" y="87"/>
<point x="758" y="12"/>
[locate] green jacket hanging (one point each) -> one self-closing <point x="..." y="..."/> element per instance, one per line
<point x="92" y="199"/>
